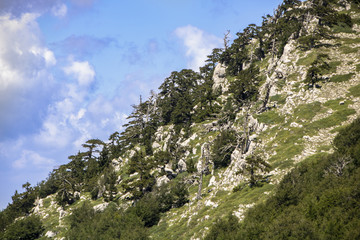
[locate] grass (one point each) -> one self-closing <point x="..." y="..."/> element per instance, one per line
<point x="307" y="111"/>
<point x="354" y="91"/>
<point x="195" y="219"/>
<point x="347" y="49"/>
<point x="47" y="202"/>
<point x="294" y="76"/>
<point x="289" y="144"/>
<point x="270" y="117"/>
<point x="280" y="84"/>
<point x="334" y="119"/>
<point x="341" y="78"/>
<point x="280" y="99"/>
<point x="332" y="67"/>
<point x="342" y="28"/>
<point x="350" y="40"/>
<point x="358" y="67"/>
<point x="308" y="59"/>
<point x="335" y="104"/>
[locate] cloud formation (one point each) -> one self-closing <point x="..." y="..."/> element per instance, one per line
<point x="19" y="7"/>
<point x="81" y="71"/>
<point x="24" y="77"/>
<point x="198" y="44"/>
<point x="30" y="158"/>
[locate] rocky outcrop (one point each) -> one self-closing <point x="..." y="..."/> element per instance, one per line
<point x="220" y="81"/>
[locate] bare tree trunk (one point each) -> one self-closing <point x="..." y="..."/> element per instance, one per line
<point x="205" y="158"/>
<point x="246" y="132"/>
<point x="198" y="196"/>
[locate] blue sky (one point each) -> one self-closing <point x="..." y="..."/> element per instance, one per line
<point x="71" y="69"/>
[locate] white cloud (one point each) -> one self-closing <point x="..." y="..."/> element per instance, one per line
<point x="56" y="7"/>
<point x="198" y="43"/>
<point x="82" y="71"/>
<point x="59" y="10"/>
<point x="31" y="159"/>
<point x="25" y="80"/>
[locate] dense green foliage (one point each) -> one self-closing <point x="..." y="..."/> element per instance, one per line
<point x="28" y="228"/>
<point x="255" y="166"/>
<point x="223" y="146"/>
<point x="130" y="224"/>
<point x="111" y="224"/>
<point x="319" y="199"/>
<point x="317" y="67"/>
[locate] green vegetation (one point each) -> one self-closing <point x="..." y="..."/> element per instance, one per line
<point x="341" y="78"/>
<point x="280" y="99"/>
<point x="307" y="111"/>
<point x="270" y="117"/>
<point x="224" y="145"/>
<point x="354" y="91"/>
<point x="27" y="228"/>
<point x="316" y="200"/>
<point x="111" y="224"/>
<point x="309" y="59"/>
<point x="317" y="68"/>
<point x="255" y="166"/>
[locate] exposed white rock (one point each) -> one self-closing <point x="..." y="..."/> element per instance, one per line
<point x="296" y="125"/>
<point x="182" y="165"/>
<point x="220" y="81"/>
<point x="162" y="180"/>
<point x="134" y="174"/>
<point x="50" y="234"/>
<point x="101" y="207"/>
<point x="209" y="203"/>
<point x="212" y="181"/>
<point x="240" y="213"/>
<point x="156" y="145"/>
<point x="62" y="213"/>
<point x="115" y="163"/>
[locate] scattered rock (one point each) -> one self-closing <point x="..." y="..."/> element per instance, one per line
<point x="182" y="166"/>
<point x="162" y="180"/>
<point x="101" y="207"/>
<point x="220" y="81"/>
<point x="50" y="234"/>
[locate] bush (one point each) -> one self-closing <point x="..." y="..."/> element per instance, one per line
<point x="108" y="225"/>
<point x="319" y="199"/>
<point x="223" y="147"/>
<point x="226" y="228"/>
<point x="27" y="228"/>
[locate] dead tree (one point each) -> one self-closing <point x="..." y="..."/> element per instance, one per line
<point x="204" y="166"/>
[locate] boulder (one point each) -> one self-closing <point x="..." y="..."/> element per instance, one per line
<point x="182" y="166"/>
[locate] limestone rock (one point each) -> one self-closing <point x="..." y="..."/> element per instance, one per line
<point x="162" y="180"/>
<point x="182" y="166"/>
<point x="50" y="234"/>
<point x="220" y="81"/>
<point x="101" y="207"/>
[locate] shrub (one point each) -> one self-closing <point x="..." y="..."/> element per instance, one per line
<point x="27" y="228"/>
<point x="223" y="147"/>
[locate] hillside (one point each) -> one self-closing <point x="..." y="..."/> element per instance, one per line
<point x="244" y="146"/>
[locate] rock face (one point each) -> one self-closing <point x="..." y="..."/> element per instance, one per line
<point x="182" y="166"/>
<point x="50" y="234"/>
<point x="101" y="207"/>
<point x="220" y="81"/>
<point x="276" y="119"/>
<point x="162" y="180"/>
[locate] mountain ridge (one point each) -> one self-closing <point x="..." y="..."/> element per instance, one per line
<point x="199" y="149"/>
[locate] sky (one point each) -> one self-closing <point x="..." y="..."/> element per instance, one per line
<point x="71" y="69"/>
